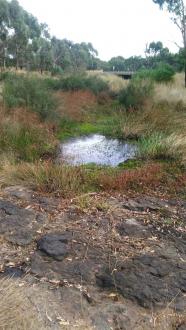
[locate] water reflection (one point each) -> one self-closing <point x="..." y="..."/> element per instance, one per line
<point x="96" y="149"/>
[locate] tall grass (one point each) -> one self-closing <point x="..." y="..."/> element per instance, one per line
<point x="46" y="177"/>
<point x="71" y="181"/>
<point x="154" y="146"/>
<point x="26" y="139"/>
<point x="172" y="93"/>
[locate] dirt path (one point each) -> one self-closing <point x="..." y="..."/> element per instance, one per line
<point x="97" y="262"/>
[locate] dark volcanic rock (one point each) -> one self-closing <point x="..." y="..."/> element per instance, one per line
<point x="75" y="271"/>
<point x="50" y="260"/>
<point x="132" y="227"/>
<point x="23" y="237"/>
<point x="55" y="245"/>
<point x="19" y="225"/>
<point x="49" y="204"/>
<point x="141" y="205"/>
<point x="148" y="279"/>
<point x="19" y="192"/>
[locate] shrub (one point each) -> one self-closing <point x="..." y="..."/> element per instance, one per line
<point x="51" y="83"/>
<point x="163" y="73"/>
<point x="56" y="70"/>
<point x="144" y="74"/>
<point x="97" y="85"/>
<point x="147" y="177"/>
<point x="78" y="82"/>
<point x="30" y="92"/>
<point x="135" y="95"/>
<point x="5" y="74"/>
<point x="73" y="83"/>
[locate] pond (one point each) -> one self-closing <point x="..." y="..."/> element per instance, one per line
<point x="96" y="149"/>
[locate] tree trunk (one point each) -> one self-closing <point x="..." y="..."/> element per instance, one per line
<point x="4" y="60"/>
<point x="17" y="58"/>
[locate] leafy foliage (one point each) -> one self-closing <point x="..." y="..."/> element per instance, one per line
<point x="136" y="94"/>
<point x="78" y="82"/>
<point x="162" y="73"/>
<point x="30" y="92"/>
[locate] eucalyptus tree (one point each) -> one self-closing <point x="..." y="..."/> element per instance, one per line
<point x="4" y="30"/>
<point x="177" y="9"/>
<point x="154" y="48"/>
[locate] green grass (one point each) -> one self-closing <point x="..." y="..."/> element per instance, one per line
<point x="162" y="147"/>
<point x="26" y="142"/>
<point x="153" y="147"/>
<point x="107" y="119"/>
<point x="131" y="164"/>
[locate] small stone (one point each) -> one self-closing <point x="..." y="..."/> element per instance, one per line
<point x="55" y="245"/>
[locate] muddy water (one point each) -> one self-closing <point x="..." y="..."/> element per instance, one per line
<point x="96" y="149"/>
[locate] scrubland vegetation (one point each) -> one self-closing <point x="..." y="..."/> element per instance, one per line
<point x="52" y="90"/>
<point x="36" y="113"/>
<point x="38" y="110"/>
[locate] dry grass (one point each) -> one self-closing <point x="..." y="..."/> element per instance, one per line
<point x="24" y="135"/>
<point x="16" y="312"/>
<point x="71" y="181"/>
<point x="172" y="92"/>
<point x="46" y="177"/>
<point x="177" y="145"/>
<point x="168" y="319"/>
<point x="115" y="83"/>
<point x="91" y="202"/>
<point x="74" y="104"/>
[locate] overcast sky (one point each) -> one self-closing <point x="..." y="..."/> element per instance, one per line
<point x="115" y="27"/>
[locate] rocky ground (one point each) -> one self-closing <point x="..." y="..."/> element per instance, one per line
<point x="97" y="262"/>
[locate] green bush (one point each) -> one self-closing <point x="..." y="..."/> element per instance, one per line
<point x="73" y="83"/>
<point x="51" y="83"/>
<point x="30" y="92"/>
<point x="135" y="95"/>
<point x="163" y="73"/>
<point x="56" y="71"/>
<point x="144" y="74"/>
<point x="97" y="85"/>
<point x="78" y="82"/>
<point x="4" y="75"/>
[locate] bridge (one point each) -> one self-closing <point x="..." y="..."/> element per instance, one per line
<point x="123" y="74"/>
